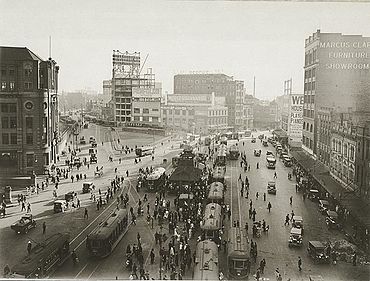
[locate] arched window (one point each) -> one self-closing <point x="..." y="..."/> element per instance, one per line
<point x="311" y="128"/>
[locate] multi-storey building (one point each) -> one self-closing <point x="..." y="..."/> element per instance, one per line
<point x="125" y="77"/>
<point x="28" y="112"/>
<point x="222" y="86"/>
<point x="146" y="104"/>
<point x="362" y="169"/>
<point x="265" y="115"/>
<point x="343" y="150"/>
<point x="336" y="69"/>
<point x="324" y="119"/>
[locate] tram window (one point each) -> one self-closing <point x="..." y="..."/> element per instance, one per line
<point x="239" y="264"/>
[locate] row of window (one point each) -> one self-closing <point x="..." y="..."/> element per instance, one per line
<point x="307" y="127"/>
<point x="11" y="72"/>
<point x="308" y="142"/>
<point x="123" y="119"/>
<point x="10" y="122"/>
<point x="345" y="149"/>
<point x="146" y="119"/>
<point x="178" y="112"/>
<point x="123" y="112"/>
<point x="11" y="86"/>
<point x="8" y="107"/>
<point x="309" y="98"/>
<point x="11" y="138"/>
<point x="176" y="120"/>
<point x="145" y="110"/>
<point x="217" y="121"/>
<point x="123" y="100"/>
<point x="310" y="73"/>
<point x="217" y="112"/>
<point x="310" y="57"/>
<point x="308" y="113"/>
<point x="123" y="106"/>
<point x="310" y="86"/>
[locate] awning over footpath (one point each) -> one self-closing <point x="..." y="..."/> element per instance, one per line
<point x="357" y="207"/>
<point x="187" y="174"/>
<point x="280" y="133"/>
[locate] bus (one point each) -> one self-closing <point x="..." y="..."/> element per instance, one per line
<point x="44" y="258"/>
<point x="206" y="261"/>
<point x="212" y="223"/>
<point x="218" y="174"/>
<point x="156" y="180"/>
<point x="102" y="241"/>
<point x="234" y="152"/>
<point x="270" y="162"/>
<point x="238" y="261"/>
<point x="143" y="151"/>
<point x="216" y="193"/>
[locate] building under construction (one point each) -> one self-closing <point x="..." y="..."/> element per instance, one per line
<point x="126" y="75"/>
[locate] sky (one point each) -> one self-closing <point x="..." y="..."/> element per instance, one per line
<point x="239" y="38"/>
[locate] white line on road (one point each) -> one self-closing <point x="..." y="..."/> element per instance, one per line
<point x="96" y="267"/>
<point x="78" y="274"/>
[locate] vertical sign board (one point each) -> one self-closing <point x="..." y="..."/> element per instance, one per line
<point x="296" y="118"/>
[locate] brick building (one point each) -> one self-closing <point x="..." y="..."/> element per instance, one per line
<point x="28" y="112"/>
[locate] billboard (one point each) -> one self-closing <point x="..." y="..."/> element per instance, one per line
<point x="296" y="118"/>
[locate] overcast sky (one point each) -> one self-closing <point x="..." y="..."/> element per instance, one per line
<point x="241" y="39"/>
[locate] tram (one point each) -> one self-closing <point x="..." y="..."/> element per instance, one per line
<point x="143" y="151"/>
<point x="206" y="261"/>
<point x="218" y="174"/>
<point x="156" y="180"/>
<point x="216" y="193"/>
<point x="102" y="241"/>
<point x="238" y="249"/>
<point x="44" y="257"/>
<point x="220" y="159"/>
<point x="212" y="223"/>
<point x="234" y="152"/>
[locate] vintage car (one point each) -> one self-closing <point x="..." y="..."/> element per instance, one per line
<point x="264" y="143"/>
<point x="92" y="139"/>
<point x="94" y="144"/>
<point x="287" y="161"/>
<point x="332" y="220"/>
<point x="323" y="206"/>
<point x="91" y="150"/>
<point x="24" y="224"/>
<point x="82" y="140"/>
<point x="261" y="136"/>
<point x="271" y="187"/>
<point x="314" y="195"/>
<point x="253" y="140"/>
<point x="70" y="196"/>
<point x="295" y="237"/>
<point x="268" y="152"/>
<point x="77" y="161"/>
<point x="60" y="206"/>
<point x="93" y="159"/>
<point x="257" y="152"/>
<point x="317" y="251"/>
<point x="298" y="222"/>
<point x="87" y="187"/>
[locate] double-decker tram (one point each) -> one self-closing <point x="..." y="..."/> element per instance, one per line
<point x="218" y="174"/>
<point x="212" y="223"/>
<point x="234" y="152"/>
<point x="102" y="241"/>
<point x="44" y="258"/>
<point x="206" y="261"/>
<point x="238" y="261"/>
<point x="216" y="193"/>
<point x="156" y="180"/>
<point x="220" y="159"/>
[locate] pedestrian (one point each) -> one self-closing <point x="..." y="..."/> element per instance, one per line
<point x="86" y="214"/>
<point x="29" y="207"/>
<point x="43" y="227"/>
<point x="258" y="166"/>
<point x="257" y="196"/>
<point x="275" y="175"/>
<point x="246" y="227"/>
<point x="291" y="200"/>
<point x="277" y="273"/>
<point x="286" y="220"/>
<point x="152" y="256"/>
<point x="299" y="263"/>
<point x="29" y="247"/>
<point x="264" y="196"/>
<point x="23" y="206"/>
<point x="269" y="206"/>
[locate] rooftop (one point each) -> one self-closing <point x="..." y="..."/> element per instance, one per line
<point x="17" y="54"/>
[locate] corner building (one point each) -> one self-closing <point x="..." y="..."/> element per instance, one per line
<point x="28" y="112"/>
<point x="336" y="72"/>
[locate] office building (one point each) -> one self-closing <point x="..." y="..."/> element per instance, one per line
<point x="28" y="112"/>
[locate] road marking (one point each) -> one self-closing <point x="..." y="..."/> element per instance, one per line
<point x="96" y="267"/>
<point x="78" y="274"/>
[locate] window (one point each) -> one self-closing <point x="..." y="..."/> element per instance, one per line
<point x="155" y="119"/>
<point x="313" y="86"/>
<point x="28" y="85"/>
<point x="146" y="118"/>
<point x="3" y="85"/>
<point x="146" y="110"/>
<point x="11" y="72"/>
<point x="345" y="148"/>
<point x="155" y="109"/>
<point x="12" y="86"/>
<point x="29" y="138"/>
<point x="29" y="122"/>
<point x="177" y="111"/>
<point x="352" y="153"/>
<point x="13" y="122"/>
<point x="27" y="72"/>
<point x="312" y="99"/>
<point x="5" y="122"/>
<point x="5" y="138"/>
<point x="4" y="107"/>
<point x="3" y="72"/>
<point x="136" y="110"/>
<point x="170" y="111"/>
<point x="13" y="138"/>
<point x="29" y="160"/>
<point x="184" y="112"/>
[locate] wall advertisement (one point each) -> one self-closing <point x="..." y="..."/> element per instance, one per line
<point x="296" y="118"/>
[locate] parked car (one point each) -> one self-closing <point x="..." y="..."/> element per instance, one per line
<point x="323" y="206"/>
<point x="268" y="152"/>
<point x="264" y="143"/>
<point x="287" y="161"/>
<point x="257" y="152"/>
<point x="23" y="225"/>
<point x="332" y="220"/>
<point x="87" y="187"/>
<point x="298" y="222"/>
<point x="271" y="187"/>
<point x="317" y="251"/>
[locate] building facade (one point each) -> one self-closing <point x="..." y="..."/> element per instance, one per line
<point x="28" y="112"/>
<point x="324" y="119"/>
<point x="362" y="170"/>
<point x="222" y="86"/>
<point x="146" y="104"/>
<point x="336" y="70"/>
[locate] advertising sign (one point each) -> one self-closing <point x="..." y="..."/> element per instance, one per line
<point x="296" y="118"/>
